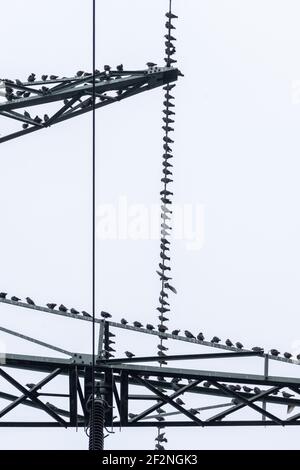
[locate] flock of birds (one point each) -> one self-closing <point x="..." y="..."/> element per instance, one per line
<point x="12" y="92"/>
<point x="199" y="338"/>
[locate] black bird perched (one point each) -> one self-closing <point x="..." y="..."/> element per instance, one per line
<point x="161" y="354"/>
<point x="137" y="324"/>
<point x="171" y="15"/>
<point x="79" y="73"/>
<point x="175" y="332"/>
<point x="160" y="437"/>
<point x="193" y="411"/>
<point x="257" y="390"/>
<point x="15" y="299"/>
<point x="298" y="357"/>
<point x="29" y="301"/>
<point x="247" y="389"/>
<point x="165" y="241"/>
<point x="51" y="306"/>
<point x="179" y="401"/>
<point x="62" y="308"/>
<point x="162" y="328"/>
<point x="120" y="68"/>
<point x="168" y="286"/>
<point x="169" y="25"/>
<point x="163" y="294"/>
<point x="151" y="64"/>
<point x="275" y="352"/>
<point x="25" y="126"/>
<point x="44" y="77"/>
<point x="287" y="395"/>
<point x="228" y="343"/>
<point x="163" y="309"/>
<point x="30" y="385"/>
<point x="129" y="354"/>
<point x="31" y="77"/>
<point x="85" y="314"/>
<point x="26" y="94"/>
<point x="165" y="257"/>
<point x="215" y="339"/>
<point x="74" y="311"/>
<point x="53" y="77"/>
<point x="3" y="295"/>
<point x="239" y="345"/>
<point x="258" y="349"/>
<point x="46" y="117"/>
<point x="200" y="337"/>
<point x="287" y="355"/>
<point x="150" y="327"/>
<point x="163" y="267"/>
<point x="162" y="347"/>
<point x="169" y="87"/>
<point x="107" y="68"/>
<point x="123" y="321"/>
<point x="206" y="384"/>
<point x="105" y="315"/>
<point x="188" y="334"/>
<point x="162" y="318"/>
<point x="170" y="38"/>
<point x="37" y="119"/>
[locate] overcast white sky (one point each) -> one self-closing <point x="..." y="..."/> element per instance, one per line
<point x="237" y="153"/>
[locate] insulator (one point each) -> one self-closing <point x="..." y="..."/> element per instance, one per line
<point x="96" y="425"/>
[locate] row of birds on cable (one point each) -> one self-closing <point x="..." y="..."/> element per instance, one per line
<point x="164" y="268"/>
<point x="161" y="329"/>
<point x="12" y="93"/>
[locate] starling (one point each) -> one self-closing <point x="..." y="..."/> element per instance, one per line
<point x="171" y="16"/>
<point x="162" y="347"/>
<point x="30" y="385"/>
<point x="258" y="349"/>
<point x="189" y="335"/>
<point x="44" y="77"/>
<point x="137" y="324"/>
<point x="163" y="309"/>
<point x="257" y="390"/>
<point x="79" y="73"/>
<point x="150" y="65"/>
<point x="215" y="339"/>
<point x="120" y="68"/>
<point x="162" y="328"/>
<point x="26" y="94"/>
<point x="62" y="308"/>
<point x="287" y="395"/>
<point x="193" y="411"/>
<point x="175" y="332"/>
<point x="298" y="357"/>
<point x="287" y="355"/>
<point x="105" y="315"/>
<point x="29" y="301"/>
<point x="206" y="384"/>
<point x="239" y="345"/>
<point x="163" y="267"/>
<point x="53" y="77"/>
<point x="3" y="295"/>
<point x="179" y="401"/>
<point x="165" y="257"/>
<point x="123" y="321"/>
<point x="129" y="354"/>
<point x="74" y="311"/>
<point x="150" y="327"/>
<point x="15" y="299"/>
<point x="51" y="306"/>
<point x="168" y="286"/>
<point x="200" y="337"/>
<point x="247" y="389"/>
<point x="46" y="117"/>
<point x="85" y="314"/>
<point x="228" y="343"/>
<point x="31" y="77"/>
<point x="25" y="126"/>
<point x="275" y="352"/>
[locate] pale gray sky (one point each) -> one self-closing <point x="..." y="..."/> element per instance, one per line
<point x="237" y="153"/>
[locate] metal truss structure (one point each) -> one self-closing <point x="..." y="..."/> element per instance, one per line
<point x="74" y="95"/>
<point x="118" y="378"/>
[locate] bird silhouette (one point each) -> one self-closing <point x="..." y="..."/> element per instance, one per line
<point x="62" y="308"/>
<point x="298" y="357"/>
<point x="162" y="347"/>
<point x="31" y="77"/>
<point x="239" y="345"/>
<point x="51" y="306"/>
<point x="258" y="349"/>
<point x="150" y="327"/>
<point x="171" y="288"/>
<point x="163" y="309"/>
<point x="179" y="401"/>
<point x="287" y="395"/>
<point x="162" y="328"/>
<point x="3" y="295"/>
<point x="257" y="390"/>
<point x="193" y="411"/>
<point x="44" y="77"/>
<point x="74" y="311"/>
<point x="15" y="299"/>
<point x="137" y="324"/>
<point x="171" y="15"/>
<point x="228" y="342"/>
<point x="215" y="339"/>
<point x="247" y="389"/>
<point x="29" y="301"/>
<point x="129" y="354"/>
<point x="287" y="355"/>
<point x="151" y="65"/>
<point x="85" y="314"/>
<point x="123" y="321"/>
<point x="105" y="315"/>
<point x="206" y="384"/>
<point x="162" y="318"/>
<point x="169" y="25"/>
<point x="175" y="332"/>
<point x="275" y="352"/>
<point x="164" y="268"/>
<point x="120" y="68"/>
<point x="30" y="385"/>
<point x="188" y="334"/>
<point x="53" y="77"/>
<point x="200" y="337"/>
